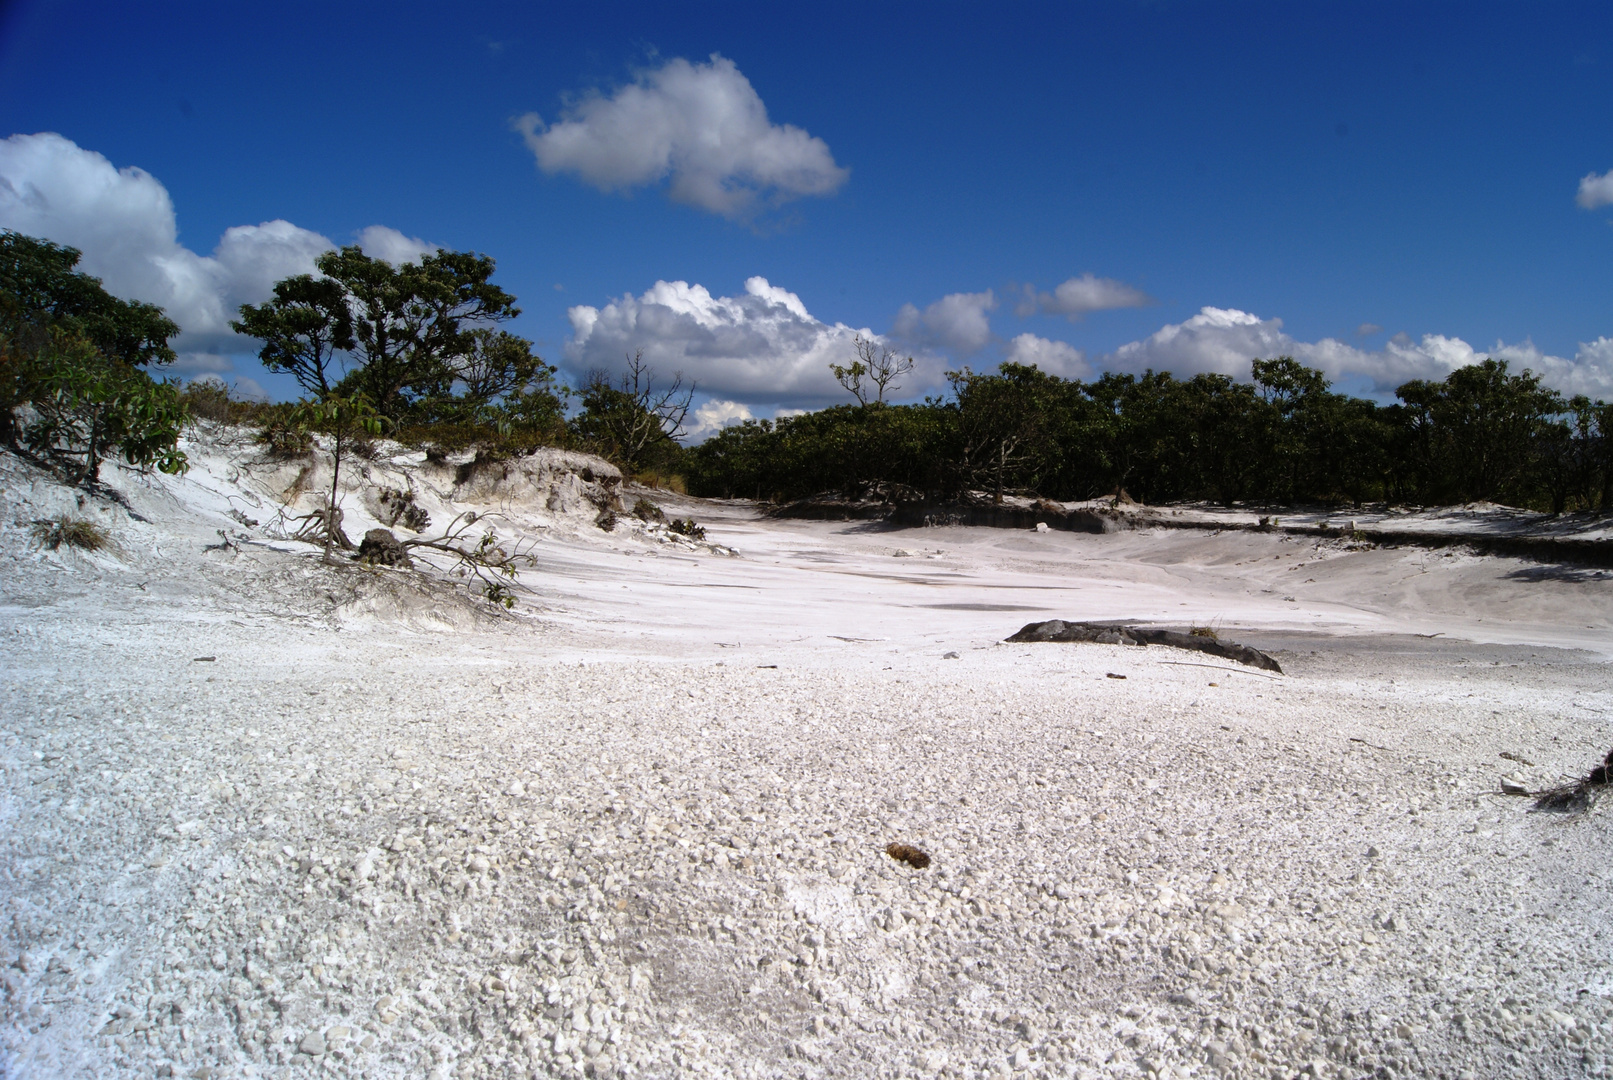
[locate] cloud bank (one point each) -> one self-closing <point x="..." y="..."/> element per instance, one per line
<point x="702" y="127"/>
<point x="762" y="347"/>
<point x="123" y="221"/>
<point x="1226" y="340"/>
<point x="1078" y="296"/>
<point x="1595" y="191"/>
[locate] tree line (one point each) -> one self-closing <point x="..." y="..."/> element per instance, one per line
<point x="1484" y="433"/>
<point x="416" y="351"/>
<point x="419" y="351"/>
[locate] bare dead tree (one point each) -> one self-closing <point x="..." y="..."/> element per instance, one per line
<point x="628" y="419"/>
<point x="487" y="560"/>
<point x="878" y="365"/>
<point x="670" y="406"/>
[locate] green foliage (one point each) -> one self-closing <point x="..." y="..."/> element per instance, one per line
<point x="687" y="527"/>
<point x="285" y="439"/>
<point x="88" y="405"/>
<point x="1286" y="437"/>
<point x="1471" y="437"/>
<point x="635" y="423"/>
<point x="302" y="329"/>
<point x="347" y="420"/>
<point x="40" y="290"/>
<point x="420" y="327"/>
<point x="73" y="352"/>
<point x="74" y="532"/>
<point x="423" y="344"/>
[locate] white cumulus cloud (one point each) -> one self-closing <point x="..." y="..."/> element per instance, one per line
<point x="1226" y="340"/>
<point x="762" y="347"/>
<point x="1077" y="296"/>
<point x="712" y="416"/>
<point x="957" y="321"/>
<point x="123" y="221"/>
<point x="702" y="127"/>
<point x="389" y="245"/>
<point x="1595" y="190"/>
<point x="1054" y="357"/>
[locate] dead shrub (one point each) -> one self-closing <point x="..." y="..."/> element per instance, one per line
<point x="1580" y="794"/>
<point x="400" y="505"/>
<point x="907" y="853"/>
<point x="687" y="527"/>
<point x="74" y="532"/>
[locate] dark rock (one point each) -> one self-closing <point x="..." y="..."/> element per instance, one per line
<point x="1002" y="516"/>
<point x="381" y="548"/>
<point x="1058" y="630"/>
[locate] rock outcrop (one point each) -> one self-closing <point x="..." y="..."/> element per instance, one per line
<point x="1114" y="634"/>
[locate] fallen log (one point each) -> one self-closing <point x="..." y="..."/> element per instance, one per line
<point x="1117" y="634"/>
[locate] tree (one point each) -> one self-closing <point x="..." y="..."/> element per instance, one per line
<point x="1002" y="423"/>
<point x="302" y="329"/>
<point x="1471" y="435"/>
<point x="344" y="419"/>
<point x="74" y="352"/>
<point x="876" y="363"/>
<point x="633" y="422"/>
<point x="413" y="322"/>
<point x="40" y="289"/>
<point x="497" y="367"/>
<point x="88" y="405"/>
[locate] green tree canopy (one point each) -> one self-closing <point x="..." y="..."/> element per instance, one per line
<point x="303" y="327"/>
<point x="413" y="323"/>
<point x="39" y="288"/>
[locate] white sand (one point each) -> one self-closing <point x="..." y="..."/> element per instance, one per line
<point x="383" y="834"/>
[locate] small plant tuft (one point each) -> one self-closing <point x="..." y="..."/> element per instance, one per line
<point x="687" y="527"/>
<point x="74" y="532"/>
<point x="645" y="510"/>
<point x="1206" y="632"/>
<point x="284" y="440"/>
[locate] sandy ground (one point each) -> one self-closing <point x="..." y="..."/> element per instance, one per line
<point x="638" y="827"/>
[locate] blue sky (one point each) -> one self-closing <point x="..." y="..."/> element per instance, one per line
<point x="1404" y="187"/>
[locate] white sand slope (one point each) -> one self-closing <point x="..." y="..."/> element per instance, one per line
<point x="637" y="828"/>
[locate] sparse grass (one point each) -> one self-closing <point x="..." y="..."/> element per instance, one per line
<point x="664" y="481"/>
<point x="74" y="532"/>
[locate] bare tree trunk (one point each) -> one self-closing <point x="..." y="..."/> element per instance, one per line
<point x="335" y="478"/>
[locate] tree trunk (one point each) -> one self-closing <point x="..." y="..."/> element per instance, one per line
<point x="335" y="477"/>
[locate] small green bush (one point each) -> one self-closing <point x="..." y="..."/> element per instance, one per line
<point x="645" y="510"/>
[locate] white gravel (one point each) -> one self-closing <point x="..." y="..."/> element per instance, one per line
<point x="382" y="834"/>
